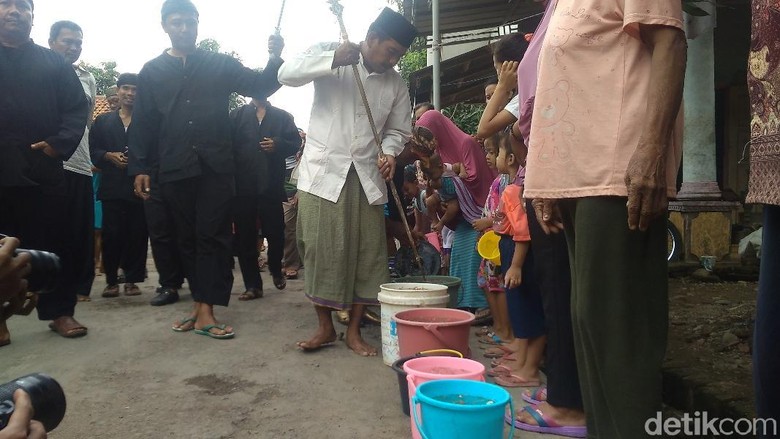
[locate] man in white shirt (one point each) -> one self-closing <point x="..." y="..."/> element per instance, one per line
<point x="341" y="184"/>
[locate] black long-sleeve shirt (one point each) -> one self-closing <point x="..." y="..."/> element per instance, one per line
<point x="180" y="116"/>
<point x="259" y="172"/>
<point x="108" y="135"/>
<point x="41" y="99"/>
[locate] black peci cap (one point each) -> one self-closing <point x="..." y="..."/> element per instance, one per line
<point x="395" y="26"/>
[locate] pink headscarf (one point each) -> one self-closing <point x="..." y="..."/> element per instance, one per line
<point x="527" y="73"/>
<point x="455" y="146"/>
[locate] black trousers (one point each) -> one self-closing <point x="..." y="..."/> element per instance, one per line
<point x="246" y="212"/>
<point x="554" y="277"/>
<point x="59" y="220"/>
<point x="124" y="240"/>
<point x="201" y="215"/>
<point x="162" y="236"/>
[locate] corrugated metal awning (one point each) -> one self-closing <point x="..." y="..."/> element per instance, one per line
<point x="466" y="15"/>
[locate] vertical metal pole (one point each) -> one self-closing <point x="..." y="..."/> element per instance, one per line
<point x="436" y="55"/>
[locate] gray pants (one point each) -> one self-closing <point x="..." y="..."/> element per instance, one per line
<point x="619" y="307"/>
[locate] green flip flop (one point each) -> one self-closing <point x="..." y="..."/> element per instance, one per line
<point x="206" y="330"/>
<point x="184" y="325"/>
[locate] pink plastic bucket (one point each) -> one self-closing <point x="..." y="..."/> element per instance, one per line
<point x="424" y="369"/>
<point x="424" y="329"/>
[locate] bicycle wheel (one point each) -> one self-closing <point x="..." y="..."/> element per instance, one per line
<point x="673" y="242"/>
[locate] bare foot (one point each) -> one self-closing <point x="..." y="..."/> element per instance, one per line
<point x="321" y="339"/>
<point x="561" y="416"/>
<point x="360" y="347"/>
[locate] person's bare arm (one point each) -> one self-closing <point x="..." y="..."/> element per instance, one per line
<point x="514" y="275"/>
<point x="646" y="172"/>
<point x="494" y="118"/>
<point x="451" y="209"/>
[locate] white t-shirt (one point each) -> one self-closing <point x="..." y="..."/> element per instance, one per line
<point x="80" y="161"/>
<point x="513" y="107"/>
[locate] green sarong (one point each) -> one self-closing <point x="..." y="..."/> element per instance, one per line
<point x="343" y="247"/>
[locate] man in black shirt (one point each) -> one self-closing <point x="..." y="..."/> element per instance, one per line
<point x="263" y="136"/>
<point x="124" y="225"/>
<point x="43" y="113"/>
<point x="181" y="123"/>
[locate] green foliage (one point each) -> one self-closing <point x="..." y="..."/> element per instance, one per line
<point x="105" y="75"/>
<point x="412" y="61"/>
<point x="465" y="116"/>
<point x="211" y="45"/>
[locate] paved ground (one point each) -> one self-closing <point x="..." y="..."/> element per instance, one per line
<point x="132" y="377"/>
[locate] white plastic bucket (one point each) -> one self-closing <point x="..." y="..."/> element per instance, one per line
<point x="397" y="297"/>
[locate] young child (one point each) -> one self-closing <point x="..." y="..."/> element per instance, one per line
<point x="523" y="297"/>
<point x="489" y="277"/>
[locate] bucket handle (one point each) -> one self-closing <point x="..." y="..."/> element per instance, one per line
<point x="512" y="417"/>
<point x="435" y="331"/>
<point x="443" y="351"/>
<point x="416" y="402"/>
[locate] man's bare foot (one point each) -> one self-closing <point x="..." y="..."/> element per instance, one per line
<point x="561" y="416"/>
<point x="216" y="328"/>
<point x="321" y="339"/>
<point x="360" y="347"/>
<point x="5" y="336"/>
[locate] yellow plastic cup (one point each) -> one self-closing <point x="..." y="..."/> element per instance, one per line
<point x="487" y="247"/>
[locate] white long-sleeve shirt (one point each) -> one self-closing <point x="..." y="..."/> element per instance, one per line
<point x="339" y="134"/>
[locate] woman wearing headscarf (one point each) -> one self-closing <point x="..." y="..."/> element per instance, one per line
<point x="434" y="132"/>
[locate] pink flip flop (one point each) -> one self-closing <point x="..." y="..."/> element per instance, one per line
<point x="499" y="370"/>
<point x="513" y="380"/>
<point x="545" y="425"/>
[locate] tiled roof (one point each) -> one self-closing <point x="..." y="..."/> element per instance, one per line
<point x="101" y="106"/>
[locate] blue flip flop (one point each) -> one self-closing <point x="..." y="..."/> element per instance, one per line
<point x="206" y="330"/>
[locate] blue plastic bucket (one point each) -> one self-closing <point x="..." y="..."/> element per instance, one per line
<point x="461" y="409"/>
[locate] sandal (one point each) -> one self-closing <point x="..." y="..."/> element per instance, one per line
<point x="68" y="327"/>
<point x="82" y="298"/>
<point x="132" y="290"/>
<point x="184" y="325"/>
<point x="536" y="396"/>
<point x="250" y="294"/>
<point x="545" y="425"/>
<point x="291" y="274"/>
<point x="111" y="291"/>
<point x="280" y="282"/>
<point x="206" y="330"/>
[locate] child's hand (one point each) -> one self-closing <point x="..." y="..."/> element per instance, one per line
<point x="482" y="224"/>
<point x="513" y="277"/>
<point x="438" y="226"/>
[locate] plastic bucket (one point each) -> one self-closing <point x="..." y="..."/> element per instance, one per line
<point x="424" y="369"/>
<point x="452" y="282"/>
<point x="423" y="329"/>
<point x="403" y="386"/>
<point x="487" y="247"/>
<point x="461" y="409"/>
<point x="397" y="297"/>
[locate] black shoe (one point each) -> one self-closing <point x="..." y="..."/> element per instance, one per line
<point x="165" y="296"/>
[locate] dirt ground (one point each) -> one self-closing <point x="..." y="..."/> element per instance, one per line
<point x="711" y="337"/>
<point x="132" y="377"/>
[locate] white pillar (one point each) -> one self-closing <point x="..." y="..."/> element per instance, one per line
<point x="698" y="163"/>
<point x="436" y="54"/>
